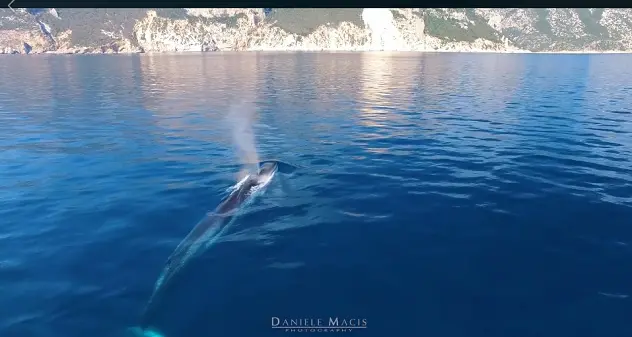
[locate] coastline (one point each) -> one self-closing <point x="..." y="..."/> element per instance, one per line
<point x="361" y="30"/>
<point x="332" y="51"/>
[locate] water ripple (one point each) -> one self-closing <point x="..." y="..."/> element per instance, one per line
<point x="471" y="168"/>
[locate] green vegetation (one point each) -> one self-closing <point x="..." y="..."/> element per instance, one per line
<point x="542" y="22"/>
<point x="172" y="13"/>
<point x="450" y="29"/>
<point x="598" y="13"/>
<point x="480" y="28"/>
<point x="609" y="45"/>
<point x="397" y="15"/>
<point x="303" y="21"/>
<point x="86" y="24"/>
<point x="591" y="22"/>
<point x="229" y="21"/>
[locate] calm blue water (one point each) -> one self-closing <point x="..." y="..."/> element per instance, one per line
<point x="439" y="195"/>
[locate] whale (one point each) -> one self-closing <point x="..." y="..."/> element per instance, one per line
<point x="206" y="232"/>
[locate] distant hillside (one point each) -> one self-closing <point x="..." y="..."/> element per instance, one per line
<point x="419" y="29"/>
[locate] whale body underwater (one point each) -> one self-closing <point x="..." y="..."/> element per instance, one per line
<point x="206" y="232"/>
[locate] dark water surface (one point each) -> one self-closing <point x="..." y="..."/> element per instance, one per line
<point x="441" y="194"/>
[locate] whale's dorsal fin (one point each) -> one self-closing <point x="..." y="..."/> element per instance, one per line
<point x="283" y="167"/>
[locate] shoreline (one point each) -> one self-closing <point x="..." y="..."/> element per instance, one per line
<point x="364" y="30"/>
<point x="341" y="51"/>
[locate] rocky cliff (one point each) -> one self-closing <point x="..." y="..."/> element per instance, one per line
<point x="397" y="29"/>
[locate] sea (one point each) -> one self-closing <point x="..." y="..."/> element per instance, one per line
<point x="432" y="195"/>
